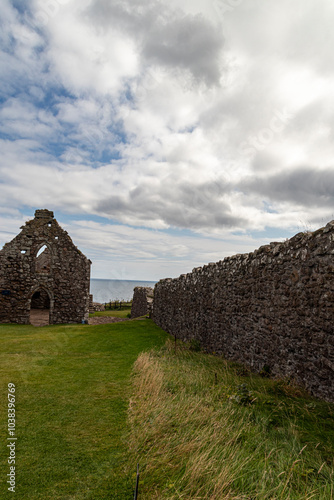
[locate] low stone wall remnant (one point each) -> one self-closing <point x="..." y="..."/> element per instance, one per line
<point x="95" y="306"/>
<point x="271" y="308"/>
<point x="142" y="302"/>
<point x="98" y="307"/>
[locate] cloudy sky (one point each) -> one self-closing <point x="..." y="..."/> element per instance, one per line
<point x="166" y="134"/>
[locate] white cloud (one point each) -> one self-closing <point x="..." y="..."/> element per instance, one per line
<point x="140" y="252"/>
<point x="213" y="117"/>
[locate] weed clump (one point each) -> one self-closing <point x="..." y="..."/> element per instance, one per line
<point x="243" y="395"/>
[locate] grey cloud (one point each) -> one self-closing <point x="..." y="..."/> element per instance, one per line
<point x="164" y="36"/>
<point x="315" y="115"/>
<point x="265" y="160"/>
<point x="187" y="218"/>
<point x="116" y="205"/>
<point x="176" y="204"/>
<point x="306" y="187"/>
<point x="130" y="15"/>
<point x="190" y="42"/>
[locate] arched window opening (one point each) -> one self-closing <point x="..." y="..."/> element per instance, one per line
<point x="40" y="308"/>
<point x="43" y="260"/>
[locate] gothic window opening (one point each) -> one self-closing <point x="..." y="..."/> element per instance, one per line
<point x="43" y="260"/>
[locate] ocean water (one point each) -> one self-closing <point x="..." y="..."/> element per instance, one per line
<point x="106" y="290"/>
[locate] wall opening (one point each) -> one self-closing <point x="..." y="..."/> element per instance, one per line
<point x="43" y="260"/>
<point x="40" y="308"/>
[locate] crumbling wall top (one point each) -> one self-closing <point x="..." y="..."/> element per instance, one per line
<point x="43" y="214"/>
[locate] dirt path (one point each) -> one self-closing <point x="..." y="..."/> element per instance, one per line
<point x="39" y="317"/>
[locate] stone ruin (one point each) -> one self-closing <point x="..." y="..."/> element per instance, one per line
<point x="142" y="302"/>
<point x="95" y="306"/>
<point x="43" y="272"/>
<point x="271" y="309"/>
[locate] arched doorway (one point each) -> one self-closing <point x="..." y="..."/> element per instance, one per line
<point x="40" y="308"/>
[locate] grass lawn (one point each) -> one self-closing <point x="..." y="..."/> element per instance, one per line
<point x="72" y="396"/>
<point x="123" y="313"/>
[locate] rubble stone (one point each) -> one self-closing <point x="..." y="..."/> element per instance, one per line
<point x="95" y="306"/>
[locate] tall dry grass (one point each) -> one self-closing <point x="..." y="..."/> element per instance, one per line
<point x="194" y="439"/>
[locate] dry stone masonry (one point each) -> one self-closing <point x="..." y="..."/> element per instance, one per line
<point x="41" y="268"/>
<point x="142" y="302"/>
<point x="95" y="306"/>
<point x="272" y="308"/>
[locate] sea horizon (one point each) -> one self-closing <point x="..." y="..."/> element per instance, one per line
<point x="106" y="290"/>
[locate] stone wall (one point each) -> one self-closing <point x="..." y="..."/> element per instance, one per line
<point x="98" y="307"/>
<point x="91" y="307"/>
<point x="142" y="301"/>
<point x="42" y="258"/>
<point x="95" y="306"/>
<point x="273" y="307"/>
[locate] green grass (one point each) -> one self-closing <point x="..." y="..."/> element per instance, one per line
<point x="203" y="428"/>
<point x="72" y="395"/>
<point x="113" y="312"/>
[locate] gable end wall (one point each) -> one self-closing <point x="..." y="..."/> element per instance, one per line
<point x="67" y="282"/>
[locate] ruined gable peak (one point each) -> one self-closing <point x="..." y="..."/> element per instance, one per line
<point x="43" y="214"/>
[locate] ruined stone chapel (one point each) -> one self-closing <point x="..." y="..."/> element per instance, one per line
<point x="41" y="270"/>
